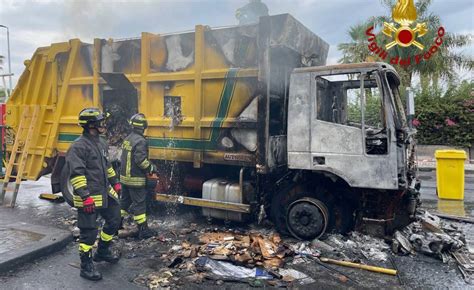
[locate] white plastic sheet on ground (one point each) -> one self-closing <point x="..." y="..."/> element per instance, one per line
<point x="299" y="277"/>
<point x="228" y="270"/>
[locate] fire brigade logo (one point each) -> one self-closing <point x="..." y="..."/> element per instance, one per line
<point x="404" y="13"/>
<point x="404" y="33"/>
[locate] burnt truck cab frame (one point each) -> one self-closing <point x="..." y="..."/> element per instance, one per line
<point x="322" y="137"/>
<point x="347" y="124"/>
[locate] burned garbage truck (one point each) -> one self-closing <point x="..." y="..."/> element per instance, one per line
<point x="246" y="122"/>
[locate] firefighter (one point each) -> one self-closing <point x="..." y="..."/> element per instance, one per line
<point x="96" y="192"/>
<point x="251" y="12"/>
<point x="134" y="168"/>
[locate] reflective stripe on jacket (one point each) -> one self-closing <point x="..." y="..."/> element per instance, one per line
<point x="91" y="174"/>
<point x="134" y="161"/>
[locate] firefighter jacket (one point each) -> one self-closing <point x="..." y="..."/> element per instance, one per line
<point x="90" y="172"/>
<point x="134" y="163"/>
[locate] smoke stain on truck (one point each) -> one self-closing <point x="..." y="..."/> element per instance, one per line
<point x="243" y="121"/>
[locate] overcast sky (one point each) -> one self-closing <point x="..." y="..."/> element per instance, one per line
<point x="39" y="23"/>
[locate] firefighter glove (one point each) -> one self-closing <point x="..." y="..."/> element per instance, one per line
<point x="88" y="205"/>
<point x="118" y="188"/>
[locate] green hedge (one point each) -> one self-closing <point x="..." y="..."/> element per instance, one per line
<point x="446" y="118"/>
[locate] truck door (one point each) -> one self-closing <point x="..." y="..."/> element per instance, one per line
<point x="351" y="130"/>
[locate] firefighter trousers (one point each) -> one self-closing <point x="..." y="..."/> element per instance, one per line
<point x="133" y="200"/>
<point x="89" y="227"/>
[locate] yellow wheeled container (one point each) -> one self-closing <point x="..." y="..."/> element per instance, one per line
<point x="450" y="174"/>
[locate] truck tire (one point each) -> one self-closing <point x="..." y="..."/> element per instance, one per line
<point x="290" y="201"/>
<point x="66" y="187"/>
<point x="307" y="218"/>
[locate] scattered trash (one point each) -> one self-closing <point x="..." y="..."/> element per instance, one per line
<point x="252" y="249"/>
<point x="52" y="197"/>
<point x="197" y="278"/>
<point x="431" y="236"/>
<point x="465" y="261"/>
<point x="355" y="245"/>
<point x="455" y="218"/>
<point x="401" y="243"/>
<point x="321" y="245"/>
<point x="336" y="241"/>
<point x="305" y="249"/>
<point x="117" y="124"/>
<point x="76" y="232"/>
<point x="427" y="235"/>
<point x="260" y="258"/>
<point x="291" y="275"/>
<point x="370" y="247"/>
<point x="71" y="222"/>
<point x="159" y="280"/>
<point x="228" y="270"/>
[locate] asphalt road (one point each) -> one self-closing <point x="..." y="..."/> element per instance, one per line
<point x="59" y="270"/>
<point x="428" y="185"/>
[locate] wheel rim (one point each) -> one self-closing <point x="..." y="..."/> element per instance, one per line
<point x="67" y="189"/>
<point x="68" y="194"/>
<point x="307" y="218"/>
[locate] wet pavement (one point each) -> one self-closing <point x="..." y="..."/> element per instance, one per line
<point x="428" y="186"/>
<point x="12" y="239"/>
<point x="60" y="270"/>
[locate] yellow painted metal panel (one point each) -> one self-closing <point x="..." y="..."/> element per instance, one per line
<point x="64" y="78"/>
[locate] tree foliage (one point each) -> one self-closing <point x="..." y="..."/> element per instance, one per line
<point x="446" y="118"/>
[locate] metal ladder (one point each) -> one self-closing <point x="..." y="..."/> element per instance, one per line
<point x="18" y="156"/>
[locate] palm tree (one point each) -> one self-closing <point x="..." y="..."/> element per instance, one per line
<point x="356" y="50"/>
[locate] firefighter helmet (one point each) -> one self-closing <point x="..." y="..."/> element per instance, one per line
<point x="91" y="117"/>
<point x="138" y="121"/>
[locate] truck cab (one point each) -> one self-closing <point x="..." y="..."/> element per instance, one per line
<point x="347" y="126"/>
<point x="347" y="120"/>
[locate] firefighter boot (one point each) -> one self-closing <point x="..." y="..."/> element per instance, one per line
<point x="121" y="224"/>
<point x="88" y="270"/>
<point x="105" y="254"/>
<point x="144" y="232"/>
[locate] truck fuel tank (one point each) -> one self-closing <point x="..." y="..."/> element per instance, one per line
<point x="219" y="189"/>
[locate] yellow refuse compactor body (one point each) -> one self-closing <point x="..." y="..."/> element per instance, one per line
<point x="235" y="123"/>
<point x="211" y="96"/>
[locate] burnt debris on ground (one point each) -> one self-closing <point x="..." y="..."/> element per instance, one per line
<point x="184" y="253"/>
<point x="433" y="236"/>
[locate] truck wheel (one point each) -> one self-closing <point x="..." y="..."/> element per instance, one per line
<point x="307" y="218"/>
<point x="66" y="187"/>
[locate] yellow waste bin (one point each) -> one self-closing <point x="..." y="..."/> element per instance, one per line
<point x="450" y="174"/>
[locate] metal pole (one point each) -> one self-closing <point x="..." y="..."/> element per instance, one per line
<point x="9" y="58"/>
<point x="7" y="94"/>
<point x="410" y="107"/>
